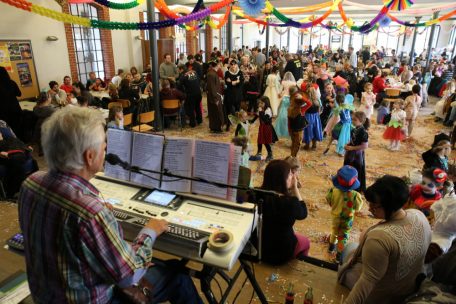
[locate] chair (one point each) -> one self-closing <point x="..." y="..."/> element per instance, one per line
<point x="125" y="103"/>
<point x="172" y="108"/>
<point x="114" y="104"/>
<point x="144" y="119"/>
<point x="128" y="120"/>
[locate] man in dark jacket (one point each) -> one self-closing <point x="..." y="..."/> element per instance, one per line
<point x="294" y="66"/>
<point x="191" y="87"/>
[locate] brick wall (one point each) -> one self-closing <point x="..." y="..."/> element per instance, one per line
<point x="191" y="40"/>
<point x="106" y="44"/>
<point x="208" y="41"/>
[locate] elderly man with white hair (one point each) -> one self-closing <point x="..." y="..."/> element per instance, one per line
<point x="74" y="248"/>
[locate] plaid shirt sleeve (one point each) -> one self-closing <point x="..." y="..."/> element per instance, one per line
<point x="107" y="254"/>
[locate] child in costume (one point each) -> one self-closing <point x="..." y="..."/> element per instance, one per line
<point x="328" y="104"/>
<point x="412" y="105"/>
<point x="242" y="123"/>
<point x="333" y="119"/>
<point x="341" y="131"/>
<point x="423" y="195"/>
<point x="355" y="155"/>
<point x="437" y="156"/>
<point x="313" y="131"/>
<point x="299" y="104"/>
<point x="382" y="111"/>
<point x="281" y="123"/>
<point x="395" y="132"/>
<point x="266" y="133"/>
<point x="251" y="90"/>
<point x="368" y="99"/>
<point x="344" y="202"/>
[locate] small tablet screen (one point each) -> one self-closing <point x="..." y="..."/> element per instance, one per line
<point x="160" y="198"/>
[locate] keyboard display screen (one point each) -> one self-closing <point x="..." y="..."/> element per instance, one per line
<point x="160" y="198"/>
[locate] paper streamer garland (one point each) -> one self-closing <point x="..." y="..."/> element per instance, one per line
<point x="119" y="6"/>
<point x="398" y="5"/>
<point x="86" y="22"/>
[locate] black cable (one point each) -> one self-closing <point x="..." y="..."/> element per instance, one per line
<point x="220" y="287"/>
<point x="240" y="289"/>
<point x="253" y="290"/>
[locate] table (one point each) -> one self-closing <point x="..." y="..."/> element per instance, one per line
<point x="27" y="105"/>
<point x="100" y="94"/>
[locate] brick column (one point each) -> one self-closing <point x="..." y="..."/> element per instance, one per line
<point x="191" y="41"/>
<point x="208" y="41"/>
<point x="165" y="32"/>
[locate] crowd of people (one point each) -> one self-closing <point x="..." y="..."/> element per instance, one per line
<point x="306" y="98"/>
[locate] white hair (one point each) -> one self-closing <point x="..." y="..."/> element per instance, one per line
<point x="68" y="133"/>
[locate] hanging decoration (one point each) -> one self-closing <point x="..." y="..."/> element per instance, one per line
<point x="281" y="32"/>
<point x="119" y="6"/>
<point x="252" y="7"/>
<point x="398" y="5"/>
<point x="384" y="22"/>
<point x="427" y="23"/>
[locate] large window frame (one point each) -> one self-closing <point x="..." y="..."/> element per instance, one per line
<point x="87" y="43"/>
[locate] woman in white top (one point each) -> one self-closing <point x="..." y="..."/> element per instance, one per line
<point x="406" y="74"/>
<point x="383" y="268"/>
<point x="273" y="89"/>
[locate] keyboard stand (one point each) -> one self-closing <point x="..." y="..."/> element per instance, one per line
<point x="207" y="274"/>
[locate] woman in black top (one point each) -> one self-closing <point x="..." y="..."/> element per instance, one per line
<point x="10" y="110"/>
<point x="280" y="242"/>
<point x="233" y="93"/>
<point x="126" y="92"/>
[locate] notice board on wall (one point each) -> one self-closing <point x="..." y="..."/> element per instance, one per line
<point x="18" y="59"/>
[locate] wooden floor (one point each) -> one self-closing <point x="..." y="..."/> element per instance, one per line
<point x="315" y="177"/>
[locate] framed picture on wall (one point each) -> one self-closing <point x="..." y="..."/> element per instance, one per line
<point x="25" y="77"/>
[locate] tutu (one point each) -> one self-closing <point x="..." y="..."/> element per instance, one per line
<point x="313" y="130"/>
<point x="281" y="123"/>
<point x="341" y="132"/>
<point x="393" y="133"/>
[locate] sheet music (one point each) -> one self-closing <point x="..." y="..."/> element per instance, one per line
<point x="177" y="159"/>
<point x="118" y="142"/>
<point x="233" y="178"/>
<point x="147" y="153"/>
<point x="211" y="162"/>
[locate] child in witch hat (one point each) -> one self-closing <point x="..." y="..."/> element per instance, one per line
<point x="344" y="202"/>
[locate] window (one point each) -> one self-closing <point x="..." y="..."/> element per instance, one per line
<point x="180" y="40"/>
<point x="146" y="32"/>
<point x="223" y="44"/>
<point x="202" y="42"/>
<point x="422" y="38"/>
<point x="388" y="38"/>
<point x="87" y="43"/>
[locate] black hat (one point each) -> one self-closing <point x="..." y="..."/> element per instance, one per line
<point x="439" y="137"/>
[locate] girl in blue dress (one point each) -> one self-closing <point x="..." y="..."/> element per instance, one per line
<point x="341" y="131"/>
<point x="281" y="123"/>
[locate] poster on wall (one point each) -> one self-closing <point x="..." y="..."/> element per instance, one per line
<point x="25" y="77"/>
<point x="14" y="51"/>
<point x="5" y="58"/>
<point x="26" y="50"/>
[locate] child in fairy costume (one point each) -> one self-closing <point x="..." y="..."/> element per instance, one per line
<point x="342" y="129"/>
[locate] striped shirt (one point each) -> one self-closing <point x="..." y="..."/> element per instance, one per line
<point x="74" y="249"/>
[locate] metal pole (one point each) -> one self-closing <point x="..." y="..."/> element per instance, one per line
<point x="329" y="42"/>
<point x="412" y="51"/>
<point x="267" y="40"/>
<point x="154" y="64"/>
<point x="453" y="53"/>
<point x="242" y="34"/>
<point x="431" y="38"/>
<point x="310" y="37"/>
<point x="403" y="45"/>
<point x="229" y="34"/>
<point x="288" y="40"/>
<point x="302" y="41"/>
<point x="350" y="40"/>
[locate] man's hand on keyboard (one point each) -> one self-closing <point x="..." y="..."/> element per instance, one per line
<point x="159" y="226"/>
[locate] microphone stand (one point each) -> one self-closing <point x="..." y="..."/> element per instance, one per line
<point x="251" y="190"/>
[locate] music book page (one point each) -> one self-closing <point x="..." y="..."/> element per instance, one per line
<point x="147" y="153"/>
<point x="177" y="159"/>
<point x="118" y="142"/>
<point x="211" y="162"/>
<point x="233" y="179"/>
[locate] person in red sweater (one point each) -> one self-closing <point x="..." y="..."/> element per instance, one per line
<point x="379" y="86"/>
<point x="66" y="85"/>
